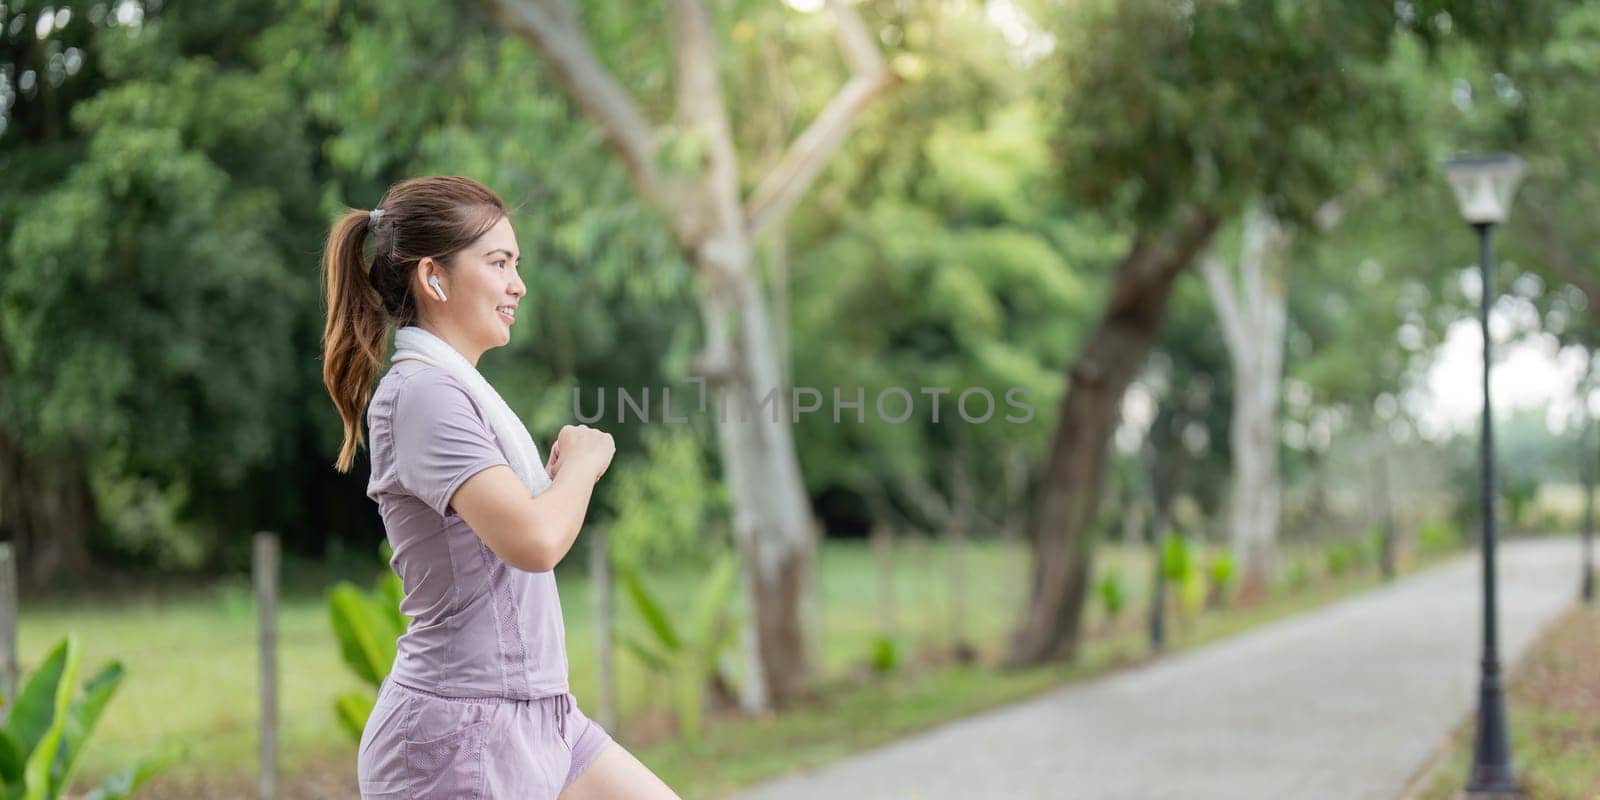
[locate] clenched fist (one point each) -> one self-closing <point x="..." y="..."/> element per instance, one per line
<point x="583" y="448"/>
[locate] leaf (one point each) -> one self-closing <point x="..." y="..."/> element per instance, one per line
<point x="123" y="784"/>
<point x="651" y="610"/>
<point x="10" y="761"/>
<point x="354" y="708"/>
<point x="83" y="715"/>
<point x="36" y="770"/>
<point x="34" y="711"/>
<point x="652" y="658"/>
<point x="711" y="606"/>
<point x="366" y="634"/>
<point x="689" y="691"/>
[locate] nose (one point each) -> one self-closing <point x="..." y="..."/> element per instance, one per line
<point x="517" y="287"/>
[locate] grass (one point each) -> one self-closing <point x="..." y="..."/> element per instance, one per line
<point x="191" y="661"/>
<point x="1554" y="704"/>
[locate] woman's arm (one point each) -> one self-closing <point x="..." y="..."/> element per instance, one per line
<point x="531" y="533"/>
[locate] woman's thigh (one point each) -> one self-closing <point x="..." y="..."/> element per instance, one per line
<point x="615" y="773"/>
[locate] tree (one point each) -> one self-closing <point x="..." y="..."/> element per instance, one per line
<point x="1175" y="117"/>
<point x="148" y="305"/>
<point x="691" y="173"/>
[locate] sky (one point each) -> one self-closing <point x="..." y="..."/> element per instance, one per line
<point x="1532" y="372"/>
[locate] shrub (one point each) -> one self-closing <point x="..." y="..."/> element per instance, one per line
<point x="1113" y="591"/>
<point x="688" y="658"/>
<point x="1338" y="558"/>
<point x="1438" y="536"/>
<point x="48" y="726"/>
<point x="1299" y="575"/>
<point x="1219" y="576"/>
<point x="885" y="655"/>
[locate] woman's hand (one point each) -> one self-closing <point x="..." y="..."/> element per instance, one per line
<point x="589" y="449"/>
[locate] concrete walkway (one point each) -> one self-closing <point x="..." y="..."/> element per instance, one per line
<point x="1341" y="703"/>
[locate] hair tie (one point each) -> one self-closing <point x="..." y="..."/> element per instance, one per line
<point x="375" y="213"/>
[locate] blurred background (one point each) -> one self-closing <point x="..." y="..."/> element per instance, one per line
<point x="1211" y="240"/>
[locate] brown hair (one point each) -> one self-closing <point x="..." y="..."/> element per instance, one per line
<point x="433" y="217"/>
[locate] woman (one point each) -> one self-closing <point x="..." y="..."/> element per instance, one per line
<point x="477" y="703"/>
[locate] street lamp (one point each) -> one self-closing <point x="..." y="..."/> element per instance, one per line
<point x="1484" y="186"/>
<point x="1586" y="470"/>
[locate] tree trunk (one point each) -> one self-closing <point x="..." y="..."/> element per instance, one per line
<point x="1253" y="311"/>
<point x="46" y="509"/>
<point x="1062" y="527"/>
<point x="773" y="525"/>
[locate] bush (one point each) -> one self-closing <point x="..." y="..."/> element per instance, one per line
<point x="1180" y="564"/>
<point x="48" y="726"/>
<point x="1113" y="591"/>
<point x="688" y="658"/>
<point x="885" y="656"/>
<point x="1374" y="542"/>
<point x="1299" y="575"/>
<point x="1438" y="536"/>
<point x="1177" y="557"/>
<point x="1338" y="558"/>
<point x="1219" y="576"/>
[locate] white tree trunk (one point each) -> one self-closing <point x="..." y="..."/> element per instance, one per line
<point x="1253" y="312"/>
<point x="715" y="227"/>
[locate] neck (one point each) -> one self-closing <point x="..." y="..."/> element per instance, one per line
<point x="456" y="341"/>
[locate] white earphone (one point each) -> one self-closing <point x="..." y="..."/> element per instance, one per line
<point x="433" y="280"/>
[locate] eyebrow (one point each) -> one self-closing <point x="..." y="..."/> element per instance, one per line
<point x="514" y="257"/>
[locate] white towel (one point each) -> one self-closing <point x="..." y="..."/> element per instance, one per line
<point x="412" y="342"/>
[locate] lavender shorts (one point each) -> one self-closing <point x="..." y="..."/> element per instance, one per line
<point x="418" y="744"/>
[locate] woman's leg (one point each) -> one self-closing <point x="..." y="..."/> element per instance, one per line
<point x="615" y="773"/>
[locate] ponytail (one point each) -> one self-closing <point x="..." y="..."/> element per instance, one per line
<point x="354" y="337"/>
<point x="417" y="218"/>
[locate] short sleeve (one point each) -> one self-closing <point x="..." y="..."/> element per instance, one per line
<point x="439" y="439"/>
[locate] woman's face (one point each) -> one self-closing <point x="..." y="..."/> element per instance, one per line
<point x="480" y="294"/>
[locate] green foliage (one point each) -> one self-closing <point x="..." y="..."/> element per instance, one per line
<point x="1180" y="564"/>
<point x="1299" y="575"/>
<point x="367" y="624"/>
<point x="666" y="502"/>
<point x="49" y="725"/>
<point x="688" y="657"/>
<point x="1219" y="574"/>
<point x="1376" y="535"/>
<point x="1519" y="492"/>
<point x="1338" y="555"/>
<point x="1177" y="556"/>
<point x="885" y="656"/>
<point x="1113" y="592"/>
<point x="1348" y="554"/>
<point x="1206" y="104"/>
<point x="1436" y="536"/>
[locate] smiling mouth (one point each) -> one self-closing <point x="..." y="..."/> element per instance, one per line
<point x="508" y="317"/>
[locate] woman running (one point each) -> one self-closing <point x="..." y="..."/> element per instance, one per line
<point x="477" y="703"/>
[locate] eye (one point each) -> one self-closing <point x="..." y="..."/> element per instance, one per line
<point x="501" y="263"/>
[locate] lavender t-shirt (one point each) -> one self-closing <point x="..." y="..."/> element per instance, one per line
<point x="479" y="626"/>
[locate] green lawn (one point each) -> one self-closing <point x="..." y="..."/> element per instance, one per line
<point x="191" y="664"/>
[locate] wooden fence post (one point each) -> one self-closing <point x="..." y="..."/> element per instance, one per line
<point x="600" y="583"/>
<point x="8" y="626"/>
<point x="266" y="579"/>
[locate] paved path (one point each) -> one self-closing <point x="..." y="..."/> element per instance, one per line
<point x="1341" y="703"/>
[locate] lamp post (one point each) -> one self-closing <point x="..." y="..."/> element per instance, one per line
<point x="1586" y="469"/>
<point x="1483" y="187"/>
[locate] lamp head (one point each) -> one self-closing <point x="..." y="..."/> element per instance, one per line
<point x="1485" y="184"/>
